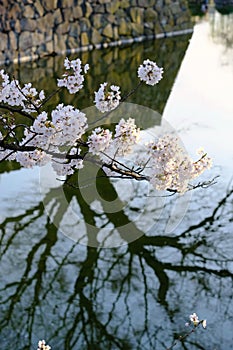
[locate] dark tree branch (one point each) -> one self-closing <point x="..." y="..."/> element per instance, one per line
<point x="17" y="110"/>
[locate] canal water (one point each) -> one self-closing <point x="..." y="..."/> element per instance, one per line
<point x="83" y="276"/>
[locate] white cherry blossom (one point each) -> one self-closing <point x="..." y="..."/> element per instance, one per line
<point x="107" y="100"/>
<point x="126" y="135"/>
<point x="27" y="97"/>
<point x="30" y="159"/>
<point x="42" y="345"/>
<point x="170" y="167"/>
<point x="149" y="72"/>
<point x="99" y="140"/>
<point x="73" y="82"/>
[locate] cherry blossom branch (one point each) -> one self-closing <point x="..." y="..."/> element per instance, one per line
<point x="29" y="100"/>
<point x="164" y="163"/>
<point x="17" y="110"/>
<point x="50" y="96"/>
<point x="196" y="323"/>
<point x="181" y="338"/>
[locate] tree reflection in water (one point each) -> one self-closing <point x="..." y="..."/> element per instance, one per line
<point x="132" y="297"/>
<point x="135" y="296"/>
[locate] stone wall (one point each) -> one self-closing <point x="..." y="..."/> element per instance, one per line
<point x="30" y="29"/>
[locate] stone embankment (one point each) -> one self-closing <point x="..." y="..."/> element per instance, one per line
<point x="30" y="29"/>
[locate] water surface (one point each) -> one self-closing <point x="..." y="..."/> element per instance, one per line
<point x="137" y="295"/>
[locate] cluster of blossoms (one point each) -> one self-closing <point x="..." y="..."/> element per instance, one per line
<point x="42" y="345"/>
<point x="126" y="136"/>
<point x="170" y="167"/>
<point x="70" y="124"/>
<point x="66" y="126"/>
<point x="30" y="159"/>
<point x="107" y="100"/>
<point x="149" y="72"/>
<point x="166" y="164"/>
<point x="73" y="80"/>
<point x="99" y="140"/>
<point x="195" y="321"/>
<point x="27" y="97"/>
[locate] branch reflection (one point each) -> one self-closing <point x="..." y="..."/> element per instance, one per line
<point x="129" y="297"/>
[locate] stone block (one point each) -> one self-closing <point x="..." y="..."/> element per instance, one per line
<point x="137" y="29"/>
<point x="28" y="12"/>
<point x="89" y="9"/>
<point x="38" y="39"/>
<point x="63" y="28"/>
<point x="137" y="15"/>
<point x="175" y="8"/>
<point x="48" y="35"/>
<point x="25" y="41"/>
<point x="148" y="31"/>
<point x="74" y="30"/>
<point x="100" y="8"/>
<point x="49" y="47"/>
<point x="14" y="12"/>
<point x="46" y="22"/>
<point x="108" y="31"/>
<point x="27" y="24"/>
<point x="158" y="28"/>
<point x="12" y="39"/>
<point x="39" y="8"/>
<point x="150" y="15"/>
<point x="124" y="28"/>
<point x="113" y="6"/>
<point x="115" y="33"/>
<point x="72" y="42"/>
<point x="67" y="14"/>
<point x="159" y="5"/>
<point x="180" y="20"/>
<point x="84" y="39"/>
<point x="84" y="24"/>
<point x="6" y="27"/>
<point x="5" y="3"/>
<point x="57" y="17"/>
<point x="124" y="4"/>
<point x="121" y="13"/>
<point x="77" y="12"/>
<point x="59" y="43"/>
<point x="98" y="21"/>
<point x="3" y="41"/>
<point x="49" y="5"/>
<point x="146" y="3"/>
<point x="3" y="10"/>
<point x="111" y="18"/>
<point x="17" y="26"/>
<point x="96" y="37"/>
<point x="68" y="3"/>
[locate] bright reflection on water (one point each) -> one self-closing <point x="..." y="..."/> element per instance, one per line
<point x="137" y="296"/>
